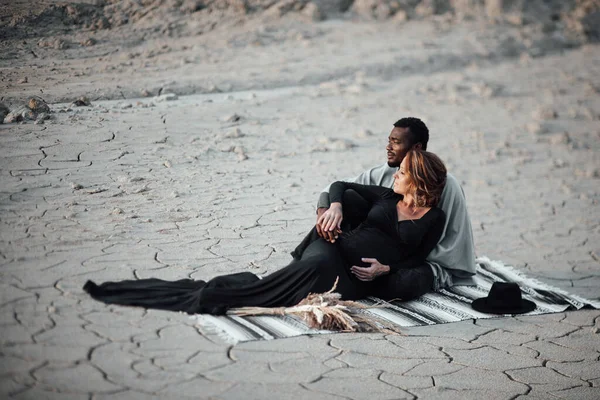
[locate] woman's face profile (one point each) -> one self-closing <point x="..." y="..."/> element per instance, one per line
<point x="401" y="179"/>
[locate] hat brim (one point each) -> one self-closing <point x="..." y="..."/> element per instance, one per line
<point x="483" y="306"/>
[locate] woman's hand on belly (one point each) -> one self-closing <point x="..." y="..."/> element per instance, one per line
<point x="376" y="270"/>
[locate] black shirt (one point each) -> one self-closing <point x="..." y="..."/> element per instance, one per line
<point x="399" y="244"/>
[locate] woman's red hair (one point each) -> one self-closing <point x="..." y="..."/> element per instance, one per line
<point x="427" y="177"/>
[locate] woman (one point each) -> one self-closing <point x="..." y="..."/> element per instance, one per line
<point x="401" y="227"/>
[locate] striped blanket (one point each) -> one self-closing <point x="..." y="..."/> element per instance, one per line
<point x="446" y="305"/>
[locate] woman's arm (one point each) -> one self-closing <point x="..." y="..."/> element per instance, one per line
<point x="330" y="221"/>
<point x="369" y="192"/>
<point x="381" y="175"/>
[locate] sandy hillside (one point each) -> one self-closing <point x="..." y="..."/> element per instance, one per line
<point x="108" y="49"/>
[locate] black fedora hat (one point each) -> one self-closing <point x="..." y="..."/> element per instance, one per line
<point x="503" y="298"/>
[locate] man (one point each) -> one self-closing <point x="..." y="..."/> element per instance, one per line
<point x="452" y="260"/>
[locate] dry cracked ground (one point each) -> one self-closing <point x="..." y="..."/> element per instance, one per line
<point x="209" y="184"/>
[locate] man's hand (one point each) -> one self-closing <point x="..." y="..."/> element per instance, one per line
<point x="329" y="222"/>
<point x="369" y="273"/>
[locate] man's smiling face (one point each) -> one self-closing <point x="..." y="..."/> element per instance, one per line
<point x="400" y="142"/>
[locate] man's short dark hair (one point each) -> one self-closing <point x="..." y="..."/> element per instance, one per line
<point x="417" y="128"/>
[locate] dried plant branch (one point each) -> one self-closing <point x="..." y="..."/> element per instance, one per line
<point x="326" y="311"/>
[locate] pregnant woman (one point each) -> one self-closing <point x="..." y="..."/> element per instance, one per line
<point x="399" y="227"/>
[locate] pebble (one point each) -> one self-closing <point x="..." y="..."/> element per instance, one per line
<point x="525" y="59"/>
<point x="124" y="106"/>
<point x="41" y="118"/>
<point x="81" y="101"/>
<point x="97" y="190"/>
<point x="561" y="138"/>
<point x="28" y="115"/>
<point x="76" y="186"/>
<point x="536" y="128"/>
<point x="23" y="80"/>
<point x="233" y="134"/>
<point x="37" y="105"/>
<point x="13" y="116"/>
<point x="60" y="44"/>
<point x="88" y="42"/>
<point x="165" y="97"/>
<point x="241" y="154"/>
<point x="102" y="23"/>
<point x="560" y="163"/>
<point x="117" y="211"/>
<point x="401" y="16"/>
<point x="544" y="113"/>
<point x="426" y="9"/>
<point x="232" y="118"/>
<point x="140" y="190"/>
<point x="168" y="164"/>
<point x="311" y="12"/>
<point x="485" y="90"/>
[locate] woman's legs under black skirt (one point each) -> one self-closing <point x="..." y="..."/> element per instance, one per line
<point x="315" y="272"/>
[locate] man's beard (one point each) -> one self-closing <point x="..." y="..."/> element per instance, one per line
<point x="393" y="164"/>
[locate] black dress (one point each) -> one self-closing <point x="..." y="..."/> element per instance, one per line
<point x="316" y="265"/>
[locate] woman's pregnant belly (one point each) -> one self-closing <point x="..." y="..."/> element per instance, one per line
<point x="370" y="242"/>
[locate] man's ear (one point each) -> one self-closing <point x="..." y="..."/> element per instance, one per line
<point x="418" y="146"/>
